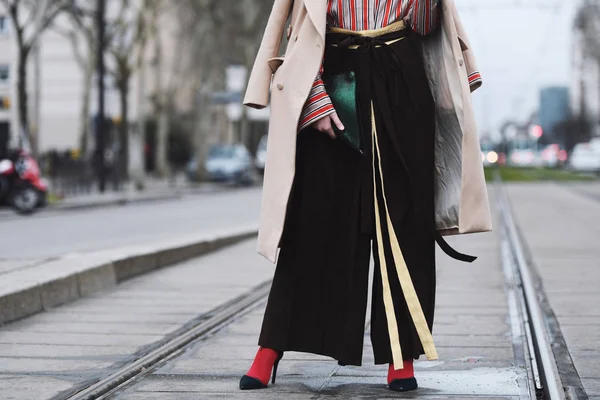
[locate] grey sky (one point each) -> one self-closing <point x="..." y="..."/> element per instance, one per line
<point x="521" y="46"/>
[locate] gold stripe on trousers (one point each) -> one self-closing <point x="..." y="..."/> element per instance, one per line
<point x="408" y="288"/>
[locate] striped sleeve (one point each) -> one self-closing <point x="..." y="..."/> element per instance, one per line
<point x="318" y="104"/>
<point x="475" y="80"/>
<point x="424" y="16"/>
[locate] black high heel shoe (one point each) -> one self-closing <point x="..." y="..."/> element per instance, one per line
<point x="250" y="383"/>
<point x="403" y="385"/>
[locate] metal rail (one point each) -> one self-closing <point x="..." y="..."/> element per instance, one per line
<point x="545" y="371"/>
<point x="214" y="321"/>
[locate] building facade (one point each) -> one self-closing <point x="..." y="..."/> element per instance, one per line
<point x="56" y="80"/>
<point x="554" y="108"/>
<point x="5" y="80"/>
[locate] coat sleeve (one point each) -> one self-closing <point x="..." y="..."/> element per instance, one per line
<point x="257" y="93"/>
<point x="473" y="73"/>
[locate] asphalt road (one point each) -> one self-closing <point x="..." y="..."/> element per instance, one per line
<point x="52" y="234"/>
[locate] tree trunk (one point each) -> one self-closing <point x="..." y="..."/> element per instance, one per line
<point x="84" y="116"/>
<point x="162" y="167"/>
<point x="203" y="126"/>
<point x="597" y="120"/>
<point x="123" y="128"/>
<point x="245" y="136"/>
<point x="245" y="124"/>
<point x="162" y="131"/>
<point x="23" y="115"/>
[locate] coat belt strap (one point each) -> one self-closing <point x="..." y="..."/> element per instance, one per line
<point x="450" y="251"/>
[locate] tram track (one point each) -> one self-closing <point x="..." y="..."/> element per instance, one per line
<point x="204" y="327"/>
<point x="551" y="371"/>
<point x="539" y="345"/>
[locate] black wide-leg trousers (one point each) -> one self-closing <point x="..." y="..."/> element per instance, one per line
<point x="318" y="299"/>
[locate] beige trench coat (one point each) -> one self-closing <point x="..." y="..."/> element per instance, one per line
<point x="461" y="197"/>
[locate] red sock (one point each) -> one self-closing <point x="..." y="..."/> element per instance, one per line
<point x="263" y="365"/>
<point x="405" y="373"/>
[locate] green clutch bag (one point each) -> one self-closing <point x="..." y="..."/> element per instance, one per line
<point x="341" y="88"/>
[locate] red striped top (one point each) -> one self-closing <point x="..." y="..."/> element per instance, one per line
<point x="357" y="15"/>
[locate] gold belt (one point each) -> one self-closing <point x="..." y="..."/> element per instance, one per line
<point x="395" y="27"/>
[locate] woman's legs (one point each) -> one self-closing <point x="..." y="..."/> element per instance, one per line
<point x="318" y="298"/>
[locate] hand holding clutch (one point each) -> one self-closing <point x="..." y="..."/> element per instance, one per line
<point x="327" y="124"/>
<point x="341" y="88"/>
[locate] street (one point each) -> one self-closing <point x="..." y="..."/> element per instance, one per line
<point x="54" y="234"/>
<point x="190" y="331"/>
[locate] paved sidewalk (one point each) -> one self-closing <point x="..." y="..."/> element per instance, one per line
<point x="561" y="223"/>
<point x="54" y="352"/>
<point x="472" y="332"/>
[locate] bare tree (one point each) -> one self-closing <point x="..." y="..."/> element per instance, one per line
<point x="127" y="31"/>
<point x="215" y="34"/>
<point x="82" y="33"/>
<point x="161" y="98"/>
<point x="29" y="18"/>
<point x="248" y="26"/>
<point x="587" y="22"/>
<point x="201" y="33"/>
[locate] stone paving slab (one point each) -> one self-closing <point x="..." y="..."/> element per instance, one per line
<point x="97" y="328"/>
<point x="31" y="387"/>
<point x="63" y="351"/>
<point x="561" y="225"/>
<point x="592" y="386"/>
<point x="27" y="289"/>
<point x="52" y="352"/>
<point x="473" y="336"/>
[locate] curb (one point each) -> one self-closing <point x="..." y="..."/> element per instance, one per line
<point x="123" y="201"/>
<point x="72" y="277"/>
<point x="9" y="214"/>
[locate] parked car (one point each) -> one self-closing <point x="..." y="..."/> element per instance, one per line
<point x="524" y="158"/>
<point x="585" y="158"/>
<point x="553" y="156"/>
<point x="261" y="155"/>
<point x="225" y="163"/>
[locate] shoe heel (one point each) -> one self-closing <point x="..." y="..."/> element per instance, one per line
<point x="275" y="366"/>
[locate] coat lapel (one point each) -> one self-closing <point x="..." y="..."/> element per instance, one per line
<point x="317" y="10"/>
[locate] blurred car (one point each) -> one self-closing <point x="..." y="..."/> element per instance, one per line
<point x="261" y="155"/>
<point x="553" y="156"/>
<point x="523" y="158"/>
<point x="225" y="163"/>
<point x="585" y="158"/>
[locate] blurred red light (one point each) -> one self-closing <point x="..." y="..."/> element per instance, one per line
<point x="537" y="131"/>
<point x="562" y="155"/>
